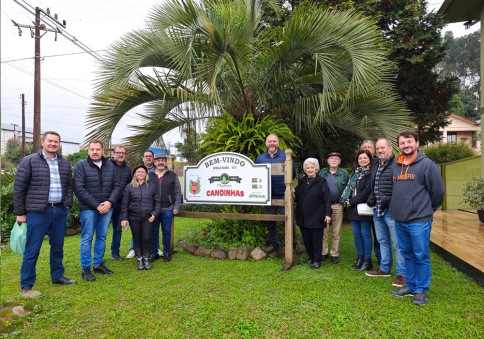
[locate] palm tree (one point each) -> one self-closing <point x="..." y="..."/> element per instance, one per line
<point x="196" y="59"/>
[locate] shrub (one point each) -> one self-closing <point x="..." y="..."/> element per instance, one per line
<point x="443" y="153"/>
<point x="200" y="208"/>
<point x="225" y="233"/>
<point x="247" y="137"/>
<point x="473" y="193"/>
<point x="7" y="216"/>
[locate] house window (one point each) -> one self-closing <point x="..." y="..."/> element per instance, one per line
<point x="451" y="137"/>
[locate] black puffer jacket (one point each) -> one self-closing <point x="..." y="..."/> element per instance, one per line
<point x="313" y="202"/>
<point x="124" y="174"/>
<point x="94" y="185"/>
<point x="139" y="203"/>
<point x="32" y="183"/>
<point x="363" y="188"/>
<point x="385" y="183"/>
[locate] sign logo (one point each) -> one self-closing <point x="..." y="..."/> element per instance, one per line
<point x="195" y="186"/>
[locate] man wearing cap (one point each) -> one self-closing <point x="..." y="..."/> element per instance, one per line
<point x="274" y="155"/>
<point x="336" y="178"/>
<point x="170" y="194"/>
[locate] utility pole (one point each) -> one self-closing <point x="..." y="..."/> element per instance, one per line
<point x="23" y="125"/>
<point x="35" y="33"/>
<point x="37" y="121"/>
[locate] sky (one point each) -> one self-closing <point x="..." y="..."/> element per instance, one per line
<point x="68" y="73"/>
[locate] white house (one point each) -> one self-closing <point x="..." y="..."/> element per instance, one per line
<point x="462" y="129"/>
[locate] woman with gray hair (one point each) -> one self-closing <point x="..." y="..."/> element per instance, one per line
<point x="313" y="210"/>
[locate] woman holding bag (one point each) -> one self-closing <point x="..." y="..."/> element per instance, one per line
<point x="356" y="192"/>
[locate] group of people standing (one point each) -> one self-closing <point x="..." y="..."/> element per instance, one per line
<point x="401" y="193"/>
<point x="107" y="191"/>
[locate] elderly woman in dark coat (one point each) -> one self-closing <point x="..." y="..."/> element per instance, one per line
<point x="313" y="210"/>
<point x="357" y="192"/>
<point x="141" y="204"/>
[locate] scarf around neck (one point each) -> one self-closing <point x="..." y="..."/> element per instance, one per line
<point x="359" y="173"/>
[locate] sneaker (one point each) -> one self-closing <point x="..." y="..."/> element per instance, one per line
<point x="420" y="299"/>
<point x="378" y="273"/>
<point x="87" y="275"/>
<point x="117" y="257"/>
<point x="160" y="253"/>
<point x="402" y="292"/>
<point x="167" y="258"/>
<point x="130" y="254"/>
<point x="399" y="281"/>
<point x="102" y="269"/>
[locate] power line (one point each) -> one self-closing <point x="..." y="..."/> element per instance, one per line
<point x="50" y="82"/>
<point x="51" y="56"/>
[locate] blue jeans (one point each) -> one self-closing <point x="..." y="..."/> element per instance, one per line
<point x="386" y="235"/>
<point x="165" y="219"/>
<point x="363" y="239"/>
<point x="92" y="221"/>
<point x="414" y="240"/>
<point x="53" y="223"/>
<point x="116" y="220"/>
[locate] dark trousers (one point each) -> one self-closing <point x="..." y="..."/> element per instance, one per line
<point x="141" y="231"/>
<point x="313" y="241"/>
<point x="272" y="225"/>
<point x="116" y="221"/>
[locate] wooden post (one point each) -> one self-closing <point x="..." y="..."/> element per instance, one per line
<point x="171" y="166"/>
<point x="288" y="207"/>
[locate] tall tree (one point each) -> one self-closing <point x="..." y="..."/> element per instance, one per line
<point x="462" y="60"/>
<point x="321" y="71"/>
<point x="415" y="45"/>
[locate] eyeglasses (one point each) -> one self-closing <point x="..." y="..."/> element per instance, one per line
<point x="119" y="152"/>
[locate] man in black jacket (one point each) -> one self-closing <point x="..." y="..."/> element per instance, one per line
<point x="97" y="187"/>
<point x="42" y="195"/>
<point x="382" y="183"/>
<point x="170" y="196"/>
<point x="124" y="174"/>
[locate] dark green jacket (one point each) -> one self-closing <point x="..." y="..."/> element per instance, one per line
<point x="341" y="178"/>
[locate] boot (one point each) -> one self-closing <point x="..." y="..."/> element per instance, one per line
<point x="366" y="265"/>
<point x="358" y="261"/>
<point x="140" y="263"/>
<point x="147" y="264"/>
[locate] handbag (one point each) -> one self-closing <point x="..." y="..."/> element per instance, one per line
<point x="364" y="209"/>
<point x="18" y="237"/>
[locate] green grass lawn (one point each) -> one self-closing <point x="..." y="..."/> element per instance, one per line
<point x="193" y="297"/>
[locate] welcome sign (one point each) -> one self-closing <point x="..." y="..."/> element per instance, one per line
<point x="227" y="178"/>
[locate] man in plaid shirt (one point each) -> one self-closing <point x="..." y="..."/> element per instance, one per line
<point x="381" y="179"/>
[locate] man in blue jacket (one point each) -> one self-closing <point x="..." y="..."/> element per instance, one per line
<point x="97" y="187"/>
<point x="418" y="191"/>
<point x="42" y="195"/>
<point x="274" y="155"/>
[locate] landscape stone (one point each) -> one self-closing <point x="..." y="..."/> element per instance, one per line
<point x="258" y="253"/>
<point x="218" y="254"/>
<point x="191" y="248"/>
